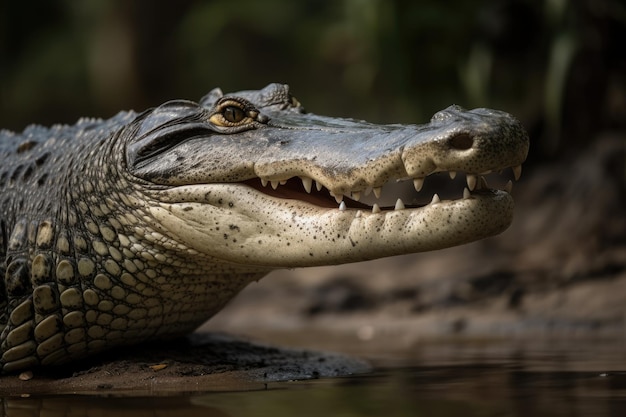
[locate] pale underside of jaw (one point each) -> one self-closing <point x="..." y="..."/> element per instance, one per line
<point x="400" y="194"/>
<point x="235" y="224"/>
<point x="307" y="227"/>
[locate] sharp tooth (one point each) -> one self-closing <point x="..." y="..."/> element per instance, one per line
<point x="375" y="209"/>
<point x="435" y="199"/>
<point x="307" y="183"/>
<point x="517" y="172"/>
<point x="399" y="205"/>
<point x="508" y="187"/>
<point x="356" y="195"/>
<point x="418" y="183"/>
<point x="482" y="183"/>
<point x="452" y="174"/>
<point x="378" y="191"/>
<point x="466" y="193"/>
<point x="283" y="182"/>
<point x="342" y="206"/>
<point x="318" y="186"/>
<point x="471" y="181"/>
<point x="274" y="184"/>
<point x="264" y="182"/>
<point x="368" y="191"/>
<point x="338" y="197"/>
<point x="358" y="214"/>
<point x="486" y="172"/>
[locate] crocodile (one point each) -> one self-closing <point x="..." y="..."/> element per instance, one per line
<point x="142" y="226"/>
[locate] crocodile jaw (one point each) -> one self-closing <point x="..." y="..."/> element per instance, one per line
<point x="237" y="224"/>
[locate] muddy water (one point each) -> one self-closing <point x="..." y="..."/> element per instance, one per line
<point x="587" y="382"/>
<point x="434" y="391"/>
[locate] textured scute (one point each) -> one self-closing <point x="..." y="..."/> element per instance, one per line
<point x="62" y="308"/>
<point x="119" y="231"/>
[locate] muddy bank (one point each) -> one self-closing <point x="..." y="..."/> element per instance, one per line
<point x="199" y="363"/>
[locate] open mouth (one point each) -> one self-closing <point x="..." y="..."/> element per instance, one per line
<point x="397" y="194"/>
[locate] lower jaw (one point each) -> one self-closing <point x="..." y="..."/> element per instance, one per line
<point x="261" y="231"/>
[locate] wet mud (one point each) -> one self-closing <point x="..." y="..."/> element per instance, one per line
<point x="200" y="362"/>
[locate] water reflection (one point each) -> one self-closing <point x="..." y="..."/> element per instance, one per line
<point x="72" y="406"/>
<point x="449" y="391"/>
<point x="507" y="389"/>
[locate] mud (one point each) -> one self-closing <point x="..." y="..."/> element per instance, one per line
<point x="200" y="362"/>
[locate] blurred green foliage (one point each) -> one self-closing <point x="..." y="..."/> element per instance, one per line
<point x="559" y="65"/>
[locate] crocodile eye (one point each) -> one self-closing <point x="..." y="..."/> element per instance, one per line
<point x="233" y="114"/>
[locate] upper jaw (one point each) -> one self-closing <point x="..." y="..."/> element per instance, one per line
<point x="475" y="145"/>
<point x="347" y="156"/>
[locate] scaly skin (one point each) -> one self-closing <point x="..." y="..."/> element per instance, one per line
<point x="144" y="225"/>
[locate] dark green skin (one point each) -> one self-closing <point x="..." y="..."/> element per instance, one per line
<point x="144" y="225"/>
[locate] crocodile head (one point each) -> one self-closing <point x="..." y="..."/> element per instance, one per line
<point x="251" y="180"/>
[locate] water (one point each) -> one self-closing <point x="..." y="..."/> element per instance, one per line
<point x="450" y="391"/>
<point x="541" y="384"/>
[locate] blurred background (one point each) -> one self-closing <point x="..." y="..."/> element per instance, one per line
<point x="558" y="65"/>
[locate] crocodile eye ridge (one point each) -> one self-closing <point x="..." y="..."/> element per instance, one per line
<point x="231" y="112"/>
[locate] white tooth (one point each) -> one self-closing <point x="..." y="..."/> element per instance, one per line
<point x="356" y="195"/>
<point x="358" y="214"/>
<point x="482" y="183"/>
<point x="435" y="199"/>
<point x="418" y="183"/>
<point x="274" y="184"/>
<point x="517" y="172"/>
<point x="338" y="197"/>
<point x="471" y="181"/>
<point x="264" y="182"/>
<point x="342" y="206"/>
<point x="283" y="182"/>
<point x="399" y="205"/>
<point x="318" y="186"/>
<point x="375" y="209"/>
<point x="486" y="172"/>
<point x="307" y="183"/>
<point x="378" y="191"/>
<point x="466" y="193"/>
<point x="508" y="187"/>
<point x="452" y="174"/>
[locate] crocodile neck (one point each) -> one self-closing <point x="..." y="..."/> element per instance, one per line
<point x="85" y="257"/>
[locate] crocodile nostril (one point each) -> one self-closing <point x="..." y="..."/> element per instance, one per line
<point x="462" y="141"/>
